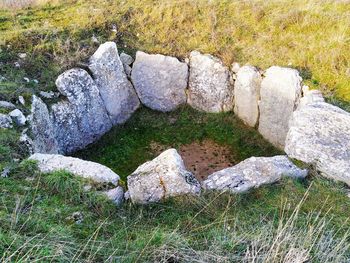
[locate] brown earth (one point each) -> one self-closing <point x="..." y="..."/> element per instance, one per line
<point x="201" y="158"/>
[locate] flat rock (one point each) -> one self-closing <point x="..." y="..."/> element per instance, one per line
<point x="247" y="94"/>
<point x="210" y="84"/>
<point x="18" y="117"/>
<point x="82" y="118"/>
<point x="117" y="92"/>
<point x="99" y="173"/>
<point x="163" y="177"/>
<point x="42" y="128"/>
<point x="319" y="134"/>
<point x="5" y="121"/>
<point x="160" y="81"/>
<point x="280" y="93"/>
<point x="252" y="173"/>
<point x="7" y="105"/>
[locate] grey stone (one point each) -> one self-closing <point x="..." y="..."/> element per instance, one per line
<point x="116" y="90"/>
<point x="82" y="118"/>
<point x="18" y="117"/>
<point x="126" y="59"/>
<point x="26" y="142"/>
<point x="5" y="121"/>
<point x="116" y="195"/>
<point x="42" y="128"/>
<point x="252" y="173"/>
<point x="160" y="81"/>
<point x="48" y="95"/>
<point x="319" y="134"/>
<point x="163" y="177"/>
<point x="7" y="105"/>
<point x="310" y="96"/>
<point x="48" y="163"/>
<point x="5" y="172"/>
<point x="280" y="93"/>
<point x="210" y="84"/>
<point x="247" y="94"/>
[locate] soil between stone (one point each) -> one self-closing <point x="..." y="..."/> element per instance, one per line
<point x="201" y="158"/>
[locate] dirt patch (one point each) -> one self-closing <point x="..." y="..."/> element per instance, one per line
<point x="201" y="158"/>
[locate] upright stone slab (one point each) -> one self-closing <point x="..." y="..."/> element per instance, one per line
<point x="116" y="90"/>
<point x="252" y="173"/>
<point x="210" y="84"/>
<point x="160" y="81"/>
<point x="42" y="128"/>
<point x="247" y="94"/>
<point x="319" y="134"/>
<point x="280" y="93"/>
<point x="163" y="177"/>
<point x="82" y="118"/>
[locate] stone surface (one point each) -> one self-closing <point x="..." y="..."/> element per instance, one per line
<point x="210" y="84"/>
<point x="99" y="173"/>
<point x="310" y="96"/>
<point x="82" y="118"/>
<point x="116" y="90"/>
<point x="42" y="128"/>
<point x="21" y="99"/>
<point x="48" y="94"/>
<point x="163" y="177"/>
<point x="160" y="81"/>
<point x="320" y="134"/>
<point x="247" y="94"/>
<point x="116" y="195"/>
<point x="252" y="173"/>
<point x="5" y="121"/>
<point x="26" y="143"/>
<point x="126" y="59"/>
<point x="7" y="105"/>
<point x="280" y="93"/>
<point x="18" y="117"/>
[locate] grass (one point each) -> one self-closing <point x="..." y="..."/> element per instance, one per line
<point x="312" y="36"/>
<point x="126" y="147"/>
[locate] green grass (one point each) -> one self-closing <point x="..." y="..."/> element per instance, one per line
<point x="126" y="147"/>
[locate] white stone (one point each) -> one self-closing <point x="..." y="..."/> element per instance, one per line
<point x="7" y="105"/>
<point x="82" y="118"/>
<point x="21" y="100"/>
<point x="163" y="177"/>
<point x="235" y="67"/>
<point x="247" y="94"/>
<point x="280" y="93"/>
<point x="48" y="94"/>
<point x="5" y="121"/>
<point x="42" y="128"/>
<point x="116" y="90"/>
<point x="116" y="195"/>
<point x="252" y="173"/>
<point x="48" y="163"/>
<point x="320" y="134"/>
<point x="311" y="96"/>
<point x="160" y="81"/>
<point x="210" y="84"/>
<point x="18" y="117"/>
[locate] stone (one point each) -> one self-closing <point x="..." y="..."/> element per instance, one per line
<point x="163" y="177"/>
<point x="18" y="117"/>
<point x="7" y="105"/>
<point x="247" y="94"/>
<point x="5" y="121"/>
<point x="21" y="99"/>
<point x="48" y="94"/>
<point x="279" y="96"/>
<point x="311" y="96"/>
<point x="160" y="81"/>
<point x="82" y="118"/>
<point x="48" y="163"/>
<point x="5" y="172"/>
<point x="253" y="173"/>
<point x="26" y="143"/>
<point x="118" y="94"/>
<point x="319" y="134"/>
<point x="235" y="67"/>
<point x="42" y="128"/>
<point x="210" y="84"/>
<point x="116" y="195"/>
<point x="126" y="59"/>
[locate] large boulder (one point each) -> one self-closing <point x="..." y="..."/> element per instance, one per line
<point x="247" y="94"/>
<point x="163" y="177"/>
<point x="82" y="118"/>
<point x="42" y="128"/>
<point x="319" y="134"/>
<point x="160" y="81"/>
<point x="48" y="163"/>
<point x="280" y="93"/>
<point x="5" y="121"/>
<point x="252" y="173"/>
<point x="116" y="90"/>
<point x="210" y="84"/>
